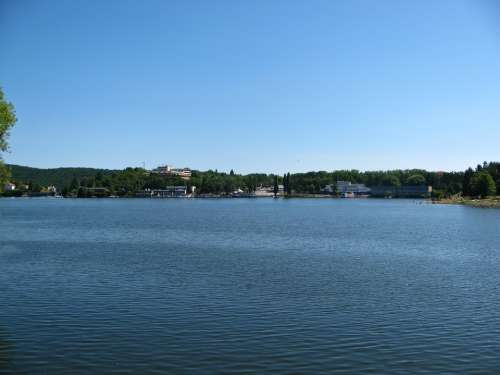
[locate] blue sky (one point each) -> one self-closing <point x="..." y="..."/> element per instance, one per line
<point x="258" y="85"/>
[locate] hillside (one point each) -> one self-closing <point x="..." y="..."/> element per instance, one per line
<point x="59" y="177"/>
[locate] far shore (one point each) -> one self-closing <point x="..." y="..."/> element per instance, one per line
<point x="493" y="202"/>
<point x="215" y="196"/>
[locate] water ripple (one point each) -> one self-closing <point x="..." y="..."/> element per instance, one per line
<point x="247" y="287"/>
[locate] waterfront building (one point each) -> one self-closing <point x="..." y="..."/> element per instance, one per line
<point x="268" y="191"/>
<point x="264" y="191"/>
<point x="328" y="189"/>
<point x="343" y="187"/>
<point x="168" y="170"/>
<point x="404" y="191"/>
<point x="168" y="192"/>
<point x="346" y="189"/>
<point x="349" y="190"/>
<point x="9" y="186"/>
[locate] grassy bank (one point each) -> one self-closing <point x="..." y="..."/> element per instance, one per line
<point x="493" y="202"/>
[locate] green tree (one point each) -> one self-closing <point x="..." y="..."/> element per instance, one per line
<point x="74" y="185"/>
<point x="99" y="178"/>
<point x="483" y="184"/>
<point x="467" y="182"/>
<point x="391" y="180"/>
<point x="4" y="175"/>
<point x="82" y="192"/>
<point x="7" y="121"/>
<point x="276" y="188"/>
<point x="228" y="185"/>
<point x="416" y="179"/>
<point x="34" y="187"/>
<point x="437" y="195"/>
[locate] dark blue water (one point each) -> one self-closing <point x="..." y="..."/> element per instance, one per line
<point x="256" y="286"/>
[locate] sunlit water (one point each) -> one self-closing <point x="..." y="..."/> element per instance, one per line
<point x="256" y="286"/>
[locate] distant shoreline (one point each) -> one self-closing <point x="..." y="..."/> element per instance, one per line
<point x="479" y="203"/>
<point x="214" y="196"/>
<point x="492" y="202"/>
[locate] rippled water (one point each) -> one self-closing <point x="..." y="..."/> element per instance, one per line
<point x="256" y="286"/>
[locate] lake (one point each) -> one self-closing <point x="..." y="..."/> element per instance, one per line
<point x="248" y="286"/>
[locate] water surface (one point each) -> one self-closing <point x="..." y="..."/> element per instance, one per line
<point x="255" y="286"/>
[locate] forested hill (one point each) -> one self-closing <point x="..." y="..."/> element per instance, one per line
<point x="59" y="177"/>
<point x="483" y="181"/>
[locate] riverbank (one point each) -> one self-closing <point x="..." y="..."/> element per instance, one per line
<point x="480" y="203"/>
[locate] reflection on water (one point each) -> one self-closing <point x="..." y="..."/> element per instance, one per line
<point x="247" y="287"/>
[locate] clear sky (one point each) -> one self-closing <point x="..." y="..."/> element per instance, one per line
<point x="256" y="85"/>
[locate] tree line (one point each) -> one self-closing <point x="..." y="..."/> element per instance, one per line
<point x="482" y="181"/>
